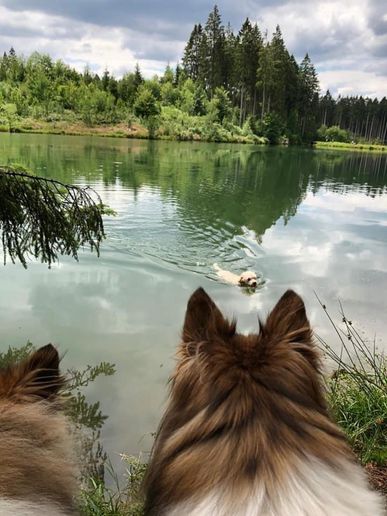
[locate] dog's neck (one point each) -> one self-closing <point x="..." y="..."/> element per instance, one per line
<point x="279" y="452"/>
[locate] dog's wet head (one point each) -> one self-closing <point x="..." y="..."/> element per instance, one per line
<point x="248" y="279"/>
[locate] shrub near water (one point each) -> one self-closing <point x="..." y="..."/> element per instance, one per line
<point x="357" y="392"/>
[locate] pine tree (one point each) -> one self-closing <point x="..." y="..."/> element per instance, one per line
<point x="249" y="45"/>
<point x="281" y="59"/>
<point x="193" y="53"/>
<point x="105" y="80"/>
<point x="138" y="78"/>
<point x="309" y="90"/>
<point x="214" y="50"/>
<point x="266" y="76"/>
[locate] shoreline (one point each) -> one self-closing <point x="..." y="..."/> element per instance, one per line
<point x="138" y="131"/>
<point x="355" y="147"/>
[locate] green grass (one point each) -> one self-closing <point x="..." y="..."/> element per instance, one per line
<point x="369" y="147"/>
<point x="357" y="391"/>
<point x="97" y="499"/>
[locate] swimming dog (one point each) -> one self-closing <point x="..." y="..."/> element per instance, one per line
<point x="246" y="279"/>
<point x="247" y="431"/>
<point x="37" y="471"/>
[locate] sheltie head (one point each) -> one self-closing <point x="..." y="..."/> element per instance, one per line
<point x="38" y="473"/>
<point x="37" y="378"/>
<point x="242" y="407"/>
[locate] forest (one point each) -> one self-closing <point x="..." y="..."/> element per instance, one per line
<point x="232" y="87"/>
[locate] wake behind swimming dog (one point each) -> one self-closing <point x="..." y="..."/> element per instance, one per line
<point x="246" y="279"/>
<point x="247" y="430"/>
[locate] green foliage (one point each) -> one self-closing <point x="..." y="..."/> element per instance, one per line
<point x="45" y="218"/>
<point x="146" y="105"/>
<point x="219" y="108"/>
<point x="332" y="134"/>
<point x="358" y="391"/>
<point x="271" y="128"/>
<point x="256" y="76"/>
<point x="99" y="500"/>
<point x="147" y="108"/>
<point x="9" y="112"/>
<point x="13" y="354"/>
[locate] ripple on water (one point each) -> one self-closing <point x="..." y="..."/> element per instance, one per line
<point x="153" y="227"/>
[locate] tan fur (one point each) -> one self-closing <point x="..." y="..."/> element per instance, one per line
<point x="37" y="465"/>
<point x="244" y="412"/>
<point x="246" y="279"/>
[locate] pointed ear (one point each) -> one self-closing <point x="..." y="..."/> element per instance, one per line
<point x="203" y="319"/>
<point x="37" y="377"/>
<point x="288" y="319"/>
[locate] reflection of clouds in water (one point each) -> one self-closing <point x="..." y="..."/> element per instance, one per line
<point x="329" y="251"/>
<point x="349" y="202"/>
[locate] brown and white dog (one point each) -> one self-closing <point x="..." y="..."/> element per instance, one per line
<point x="246" y="279"/>
<point x="37" y="473"/>
<point x="247" y="431"/>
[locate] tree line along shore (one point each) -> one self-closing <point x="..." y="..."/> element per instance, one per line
<point x="241" y="87"/>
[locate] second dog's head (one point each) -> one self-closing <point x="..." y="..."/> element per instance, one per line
<point x="248" y="279"/>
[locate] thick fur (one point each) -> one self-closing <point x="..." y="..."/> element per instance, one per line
<point x="37" y="472"/>
<point x="246" y="279"/>
<point x="247" y="431"/>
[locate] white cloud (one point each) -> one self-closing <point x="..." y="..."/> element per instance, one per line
<point x="76" y="43"/>
<point x="340" y="40"/>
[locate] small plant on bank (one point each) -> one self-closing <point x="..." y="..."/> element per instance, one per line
<point x="357" y="391"/>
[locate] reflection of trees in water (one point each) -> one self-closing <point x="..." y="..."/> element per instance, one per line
<point x="211" y="183"/>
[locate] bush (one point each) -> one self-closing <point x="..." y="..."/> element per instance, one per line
<point x="332" y="134"/>
<point x="271" y="127"/>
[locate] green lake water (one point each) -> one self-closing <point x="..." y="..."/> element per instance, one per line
<point x="315" y="221"/>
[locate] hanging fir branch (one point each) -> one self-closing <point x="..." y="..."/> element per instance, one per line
<point x="45" y="218"/>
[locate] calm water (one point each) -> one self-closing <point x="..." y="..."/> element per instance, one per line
<point x="314" y="221"/>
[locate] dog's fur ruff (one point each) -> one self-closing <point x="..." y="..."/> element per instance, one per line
<point x="246" y="279"/>
<point x="247" y="431"/>
<point x="37" y="472"/>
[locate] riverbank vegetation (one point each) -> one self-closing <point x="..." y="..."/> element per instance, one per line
<point x="352" y="146"/>
<point x="230" y="87"/>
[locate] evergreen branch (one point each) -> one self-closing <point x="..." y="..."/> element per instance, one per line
<point x="45" y="218"/>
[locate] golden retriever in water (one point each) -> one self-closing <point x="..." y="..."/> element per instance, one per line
<point x="247" y="431"/>
<point x="37" y="473"/>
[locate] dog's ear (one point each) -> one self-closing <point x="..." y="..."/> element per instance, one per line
<point x="36" y="378"/>
<point x="288" y="320"/>
<point x="203" y="319"/>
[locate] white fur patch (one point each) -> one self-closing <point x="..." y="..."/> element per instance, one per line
<point x="25" y="508"/>
<point x="314" y="489"/>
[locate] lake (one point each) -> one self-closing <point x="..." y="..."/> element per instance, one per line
<point x="315" y="221"/>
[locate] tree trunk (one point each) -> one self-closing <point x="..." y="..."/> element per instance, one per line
<point x="263" y="101"/>
<point x="241" y="109"/>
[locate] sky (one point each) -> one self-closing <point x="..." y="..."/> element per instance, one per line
<point x="346" y="40"/>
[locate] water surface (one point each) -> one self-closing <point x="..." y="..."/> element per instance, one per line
<point x="315" y="221"/>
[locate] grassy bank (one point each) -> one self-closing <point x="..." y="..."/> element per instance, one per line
<point x="351" y="146"/>
<point x="172" y="124"/>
